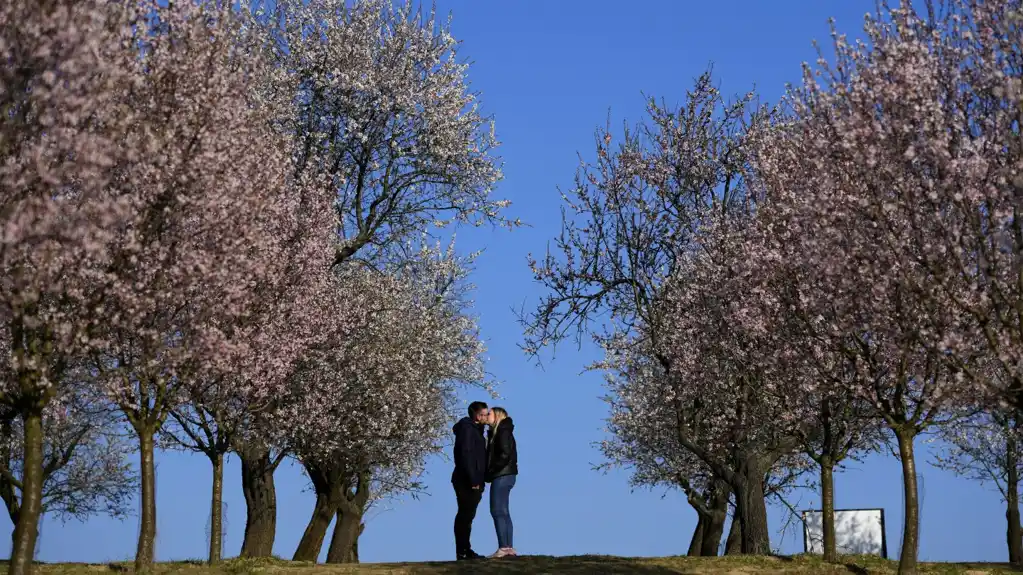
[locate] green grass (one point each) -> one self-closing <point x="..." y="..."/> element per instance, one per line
<point x="539" y="565"/>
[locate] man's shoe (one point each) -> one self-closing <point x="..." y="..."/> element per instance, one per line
<point x="469" y="556"/>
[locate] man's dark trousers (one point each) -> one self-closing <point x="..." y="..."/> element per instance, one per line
<point x="468" y="501"/>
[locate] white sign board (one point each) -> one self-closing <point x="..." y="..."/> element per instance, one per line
<point x="857" y="532"/>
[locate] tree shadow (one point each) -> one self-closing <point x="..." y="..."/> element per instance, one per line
<point x="1003" y="567"/>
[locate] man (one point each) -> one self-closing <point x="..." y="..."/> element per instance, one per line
<point x="468" y="476"/>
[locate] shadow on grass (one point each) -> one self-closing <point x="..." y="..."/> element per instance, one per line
<point x="1005" y="567"/>
<point x="588" y="564"/>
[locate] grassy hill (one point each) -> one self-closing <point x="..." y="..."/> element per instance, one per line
<point x="583" y="565"/>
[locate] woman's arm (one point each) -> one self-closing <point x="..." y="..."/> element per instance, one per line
<point x="500" y="451"/>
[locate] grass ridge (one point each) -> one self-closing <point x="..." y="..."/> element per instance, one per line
<point x="540" y="565"/>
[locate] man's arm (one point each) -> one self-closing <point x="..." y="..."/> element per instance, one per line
<point x="466" y="458"/>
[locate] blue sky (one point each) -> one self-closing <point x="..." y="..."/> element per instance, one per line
<point x="550" y="72"/>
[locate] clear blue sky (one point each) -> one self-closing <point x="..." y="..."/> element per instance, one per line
<point x="550" y="71"/>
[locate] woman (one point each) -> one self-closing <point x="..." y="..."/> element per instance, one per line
<point x="502" y="467"/>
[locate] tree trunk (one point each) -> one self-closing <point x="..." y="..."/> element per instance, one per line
<point x="145" y="553"/>
<point x="217" y="510"/>
<point x="911" y="521"/>
<point x="751" y="508"/>
<point x="828" y="509"/>
<point x="715" y="524"/>
<point x="316" y="531"/>
<point x="260" y="502"/>
<point x="344" y="544"/>
<point x="1013" y="531"/>
<point x="696" y="543"/>
<point x="733" y="545"/>
<point x="327" y="486"/>
<point x="26" y="530"/>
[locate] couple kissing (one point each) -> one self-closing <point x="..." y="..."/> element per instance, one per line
<point x="479" y="460"/>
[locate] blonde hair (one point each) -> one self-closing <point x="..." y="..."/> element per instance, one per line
<point x="499" y="415"/>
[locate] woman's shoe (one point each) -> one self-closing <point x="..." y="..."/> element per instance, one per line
<point x="503" y="552"/>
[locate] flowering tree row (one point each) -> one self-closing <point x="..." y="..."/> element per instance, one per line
<point x="812" y="279"/>
<point x="217" y="227"/>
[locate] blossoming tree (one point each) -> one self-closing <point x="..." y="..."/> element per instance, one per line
<point x="61" y="89"/>
<point x="184" y="262"/>
<point x="377" y="107"/>
<point x="856" y="184"/>
<point x="374" y="396"/>
<point x="633" y="221"/>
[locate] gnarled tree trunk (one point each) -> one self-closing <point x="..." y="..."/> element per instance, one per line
<point x="717" y="514"/>
<point x="751" y="508"/>
<point x="711" y="511"/>
<point x="326" y="485"/>
<point x="260" y="500"/>
<point x="344" y="544"/>
<point x="8" y="489"/>
<point x="316" y="530"/>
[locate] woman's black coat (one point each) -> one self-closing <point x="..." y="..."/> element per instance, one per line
<point x="502" y="454"/>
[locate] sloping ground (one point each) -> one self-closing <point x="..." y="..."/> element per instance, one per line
<point x="538" y="565"/>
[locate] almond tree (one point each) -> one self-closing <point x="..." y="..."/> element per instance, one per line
<point x="650" y="448"/>
<point x="646" y="438"/>
<point x="61" y="91"/>
<point x="631" y="216"/>
<point x="184" y="263"/>
<point x="374" y="399"/>
<point x="865" y="312"/>
<point x="844" y="189"/>
<point x="224" y="403"/>
<point x="819" y="380"/>
<point x="718" y="376"/>
<point x="378" y="107"/>
<point x="632" y="219"/>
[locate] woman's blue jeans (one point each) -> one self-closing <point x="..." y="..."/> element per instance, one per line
<point x="500" y="491"/>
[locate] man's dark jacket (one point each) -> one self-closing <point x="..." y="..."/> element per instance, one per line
<point x="470" y="454"/>
<point x="503" y="455"/>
